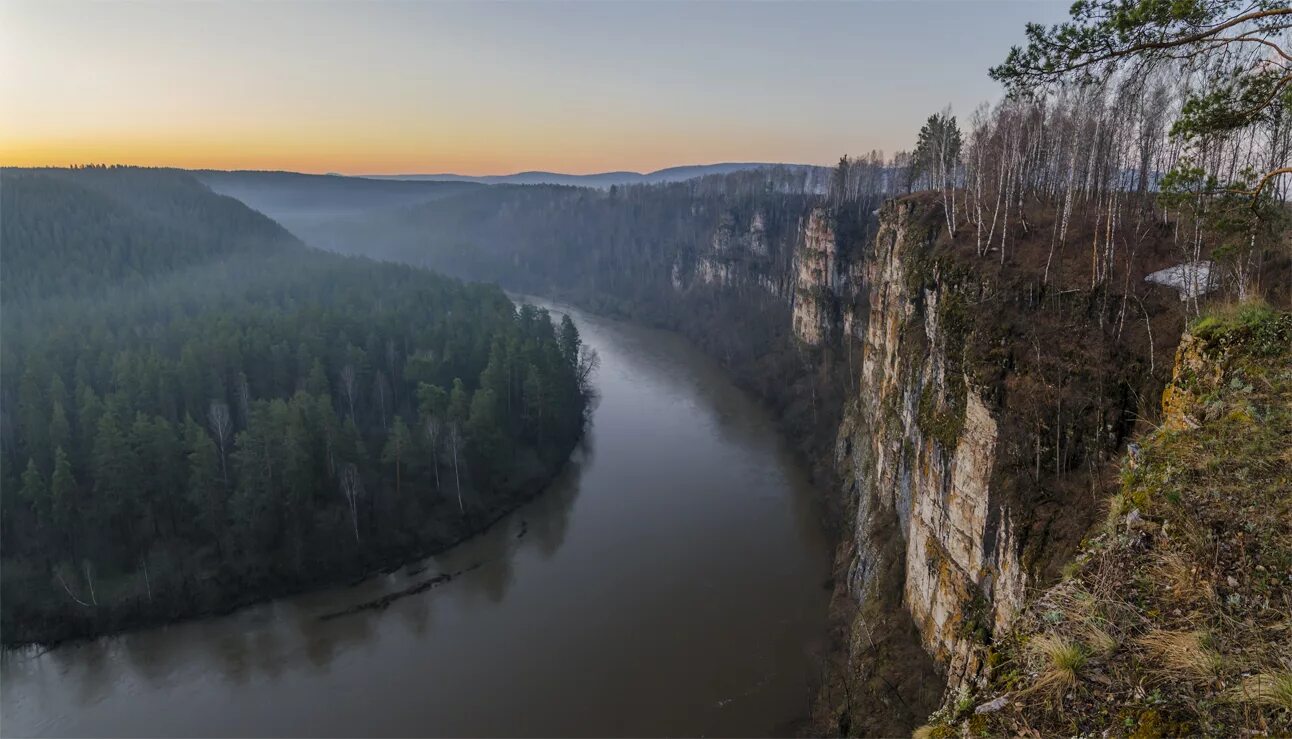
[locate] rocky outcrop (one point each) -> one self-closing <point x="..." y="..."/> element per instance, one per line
<point x="738" y="253"/>
<point x="966" y="436"/>
<point x="816" y="280"/>
<point x="1188" y="576"/>
<point x="922" y="444"/>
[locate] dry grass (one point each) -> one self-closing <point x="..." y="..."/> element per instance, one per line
<point x="1062" y="660"/>
<point x="1185" y="652"/>
<point x="926" y="731"/>
<point x="1098" y="639"/>
<point x="1272" y="689"/>
<point x="1180" y="576"/>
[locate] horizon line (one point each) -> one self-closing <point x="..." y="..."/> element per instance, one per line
<point x="370" y="175"/>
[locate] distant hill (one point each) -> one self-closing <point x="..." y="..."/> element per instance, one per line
<point x="305" y="194"/>
<point x="600" y="180"/>
<point x="81" y="230"/>
<point x="306" y="202"/>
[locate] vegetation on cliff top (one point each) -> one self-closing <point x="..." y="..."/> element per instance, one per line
<point x="1176" y="617"/>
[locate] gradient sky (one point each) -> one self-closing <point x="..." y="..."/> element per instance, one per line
<point x="399" y="86"/>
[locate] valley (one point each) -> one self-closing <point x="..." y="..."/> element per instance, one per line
<point x="678" y="560"/>
<point x="646" y="369"/>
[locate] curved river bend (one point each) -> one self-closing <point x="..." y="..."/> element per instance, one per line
<point x="670" y="583"/>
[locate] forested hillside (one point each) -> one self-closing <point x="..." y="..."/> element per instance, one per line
<point x="301" y="201"/>
<point x="200" y="411"/>
<point x="89" y="229"/>
<point x="539" y="237"/>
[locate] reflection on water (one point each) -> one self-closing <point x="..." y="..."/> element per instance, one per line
<point x="667" y="583"/>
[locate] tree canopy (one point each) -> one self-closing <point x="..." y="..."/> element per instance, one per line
<point x="1234" y="52"/>
<point x="197" y="411"/>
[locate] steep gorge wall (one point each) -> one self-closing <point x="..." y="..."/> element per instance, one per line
<point x="916" y="449"/>
<point x="980" y="412"/>
<point x="920" y="443"/>
<point x="963" y="407"/>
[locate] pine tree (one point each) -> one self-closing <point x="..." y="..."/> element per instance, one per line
<point x="205" y="491"/>
<point x="33" y="419"/>
<point x="62" y="491"/>
<point x="459" y="403"/>
<point x="316" y="383"/>
<point x="60" y="431"/>
<point x="115" y="480"/>
<point x="568" y="339"/>
<point x="34" y="492"/>
<point x="485" y="435"/>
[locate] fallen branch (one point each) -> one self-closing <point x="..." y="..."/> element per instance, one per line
<point x="382" y="603"/>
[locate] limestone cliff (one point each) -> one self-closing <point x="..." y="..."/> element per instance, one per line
<point x="739" y="253"/>
<point x="960" y="463"/>
<point x="816" y="280"/>
<point x="923" y="443"/>
<point x="978" y="406"/>
<point x="1173" y="618"/>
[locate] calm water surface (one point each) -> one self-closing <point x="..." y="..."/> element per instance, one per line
<point x="669" y="584"/>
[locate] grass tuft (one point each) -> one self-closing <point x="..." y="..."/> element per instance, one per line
<point x="1100" y="642"/>
<point x="1184" y="651"/>
<point x="1062" y="660"/>
<point x="1266" y="688"/>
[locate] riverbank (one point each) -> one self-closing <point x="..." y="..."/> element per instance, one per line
<point x="229" y="590"/>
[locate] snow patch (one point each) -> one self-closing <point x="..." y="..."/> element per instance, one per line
<point x="1191" y="279"/>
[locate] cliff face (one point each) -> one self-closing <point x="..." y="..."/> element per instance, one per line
<point x="955" y="440"/>
<point x="920" y="443"/>
<point x="1190" y="576"/>
<point x="739" y="253"/>
<point x="816" y="280"/>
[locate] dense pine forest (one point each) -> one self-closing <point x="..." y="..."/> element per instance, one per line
<point x="200" y="411"/>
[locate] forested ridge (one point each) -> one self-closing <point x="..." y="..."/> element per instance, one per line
<point x="200" y="411"/>
<point x="93" y="228"/>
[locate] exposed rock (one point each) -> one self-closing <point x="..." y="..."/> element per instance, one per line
<point x="962" y="573"/>
<point x="815" y="279"/>
<point x="992" y="706"/>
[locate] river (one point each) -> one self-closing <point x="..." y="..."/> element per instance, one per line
<point x="671" y="582"/>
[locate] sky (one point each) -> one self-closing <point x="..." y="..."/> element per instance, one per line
<point x="406" y="86"/>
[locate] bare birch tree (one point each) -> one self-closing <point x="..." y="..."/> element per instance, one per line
<point x="432" y="428"/>
<point x="349" y="386"/>
<point x="352" y="489"/>
<point x="455" y="441"/>
<point x="221" y="425"/>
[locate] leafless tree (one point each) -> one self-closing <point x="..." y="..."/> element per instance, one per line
<point x="588" y="363"/>
<point x="62" y="581"/>
<point x="352" y="489"/>
<point x="379" y="390"/>
<point x="349" y="386"/>
<point x="455" y="441"/>
<point x="433" y="438"/>
<point x="89" y="579"/>
<point x="221" y="425"/>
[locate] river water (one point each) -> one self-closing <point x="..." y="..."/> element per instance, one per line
<point x="670" y="583"/>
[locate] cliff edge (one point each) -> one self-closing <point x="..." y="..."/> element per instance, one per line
<point x="986" y="405"/>
<point x="1175" y="617"/>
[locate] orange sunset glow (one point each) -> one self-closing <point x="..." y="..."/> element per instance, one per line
<point x="403" y="87"/>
